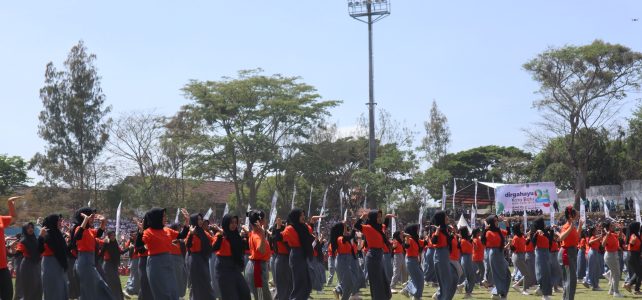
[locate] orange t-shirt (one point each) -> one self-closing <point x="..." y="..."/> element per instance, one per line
<point x="196" y="241"/>
<point x="343" y="248"/>
<point x="519" y="243"/>
<point x="226" y="249"/>
<point x="397" y="247"/>
<point x="281" y="248"/>
<point x="454" y="252"/>
<point x="493" y="239"/>
<point x="466" y="246"/>
<point x="442" y="241"/>
<point x="88" y="241"/>
<point x="291" y="237"/>
<point x="255" y="240"/>
<point x="634" y="243"/>
<point x="555" y="246"/>
<point x="572" y="239"/>
<point x="582" y="244"/>
<point x="158" y="241"/>
<point x="478" y="250"/>
<point x="173" y="235"/>
<point x="542" y="241"/>
<point x="413" y="248"/>
<point x="612" y="243"/>
<point x="5" y="221"/>
<point x="47" y="251"/>
<point x="373" y="237"/>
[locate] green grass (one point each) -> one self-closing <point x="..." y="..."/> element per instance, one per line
<point x="582" y="293"/>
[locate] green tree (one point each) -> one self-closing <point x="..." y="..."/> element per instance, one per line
<point x="435" y="143"/>
<point x="13" y="172"/>
<point x="246" y="121"/>
<point x="73" y="122"/>
<point x="583" y="88"/>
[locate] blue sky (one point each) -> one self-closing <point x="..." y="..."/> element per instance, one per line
<point x="467" y="55"/>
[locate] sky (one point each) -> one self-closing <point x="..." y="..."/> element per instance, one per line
<point x="466" y="55"/>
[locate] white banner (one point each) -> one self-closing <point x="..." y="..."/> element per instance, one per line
<point x="607" y="215"/>
<point x="421" y="216"/>
<point x="637" y="210"/>
<point x="118" y="218"/>
<point x="473" y="217"/>
<point x="293" y="196"/>
<point x="325" y="197"/>
<point x="475" y="193"/>
<point x="227" y="209"/>
<point x="525" y="222"/>
<point x="310" y="202"/>
<point x="275" y="197"/>
<point x="208" y="214"/>
<point x="393" y="224"/>
<point x="365" y="198"/>
<point x="443" y="197"/>
<point x="178" y="211"/>
<point x="341" y="200"/>
<point x="583" y="213"/>
<point x="454" y="192"/>
<point x="247" y="219"/>
<point x="536" y="197"/>
<point x="345" y="215"/>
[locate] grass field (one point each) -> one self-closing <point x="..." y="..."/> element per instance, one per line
<point x="581" y="294"/>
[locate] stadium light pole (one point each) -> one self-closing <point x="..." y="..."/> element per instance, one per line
<point x="369" y="12"/>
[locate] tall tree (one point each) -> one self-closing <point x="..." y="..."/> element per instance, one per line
<point x="247" y="120"/>
<point x="583" y="88"/>
<point x="73" y="122"/>
<point x="435" y="143"/>
<point x="13" y="172"/>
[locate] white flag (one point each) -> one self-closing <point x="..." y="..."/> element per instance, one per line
<point x="475" y="194"/>
<point x="345" y="215"/>
<point x="421" y="217"/>
<point x="473" y="217"/>
<point x="178" y="210"/>
<point x="443" y="197"/>
<point x="310" y="202"/>
<point x="293" y="196"/>
<point x="462" y="223"/>
<point x="118" y="218"/>
<point x="525" y="221"/>
<point x="325" y="197"/>
<point x="583" y="213"/>
<point x="393" y="224"/>
<point x="606" y="210"/>
<point x="637" y="210"/>
<point x="226" y="210"/>
<point x="341" y="200"/>
<point x="454" y="192"/>
<point x="275" y="196"/>
<point x="365" y="198"/>
<point x="208" y="214"/>
<point x="89" y="203"/>
<point x="247" y="219"/>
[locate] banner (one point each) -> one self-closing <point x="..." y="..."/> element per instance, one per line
<point x="606" y="209"/>
<point x="393" y="224"/>
<point x="293" y="196"/>
<point x="454" y="192"/>
<point x="637" y="210"/>
<point x="275" y="196"/>
<point x="443" y="197"/>
<point x="227" y="209"/>
<point x="583" y="213"/>
<point x="365" y="198"/>
<point x="310" y="202"/>
<point x="421" y="217"/>
<point x="475" y="193"/>
<point x="473" y="217"/>
<point x="325" y="197"/>
<point x="345" y="215"/>
<point x="525" y="222"/>
<point x="178" y="211"/>
<point x="208" y="214"/>
<point x="118" y="218"/>
<point x="247" y="219"/>
<point x="537" y="197"/>
<point x="341" y="200"/>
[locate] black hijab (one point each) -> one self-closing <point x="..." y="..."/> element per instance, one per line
<point x="206" y="247"/>
<point x="305" y="238"/>
<point x="31" y="242"/>
<point x="634" y="229"/>
<point x="154" y="218"/>
<point x="234" y="238"/>
<point x="335" y="232"/>
<point x="54" y="239"/>
<point x="413" y="231"/>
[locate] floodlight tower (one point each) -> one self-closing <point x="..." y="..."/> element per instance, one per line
<point x="369" y="12"/>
